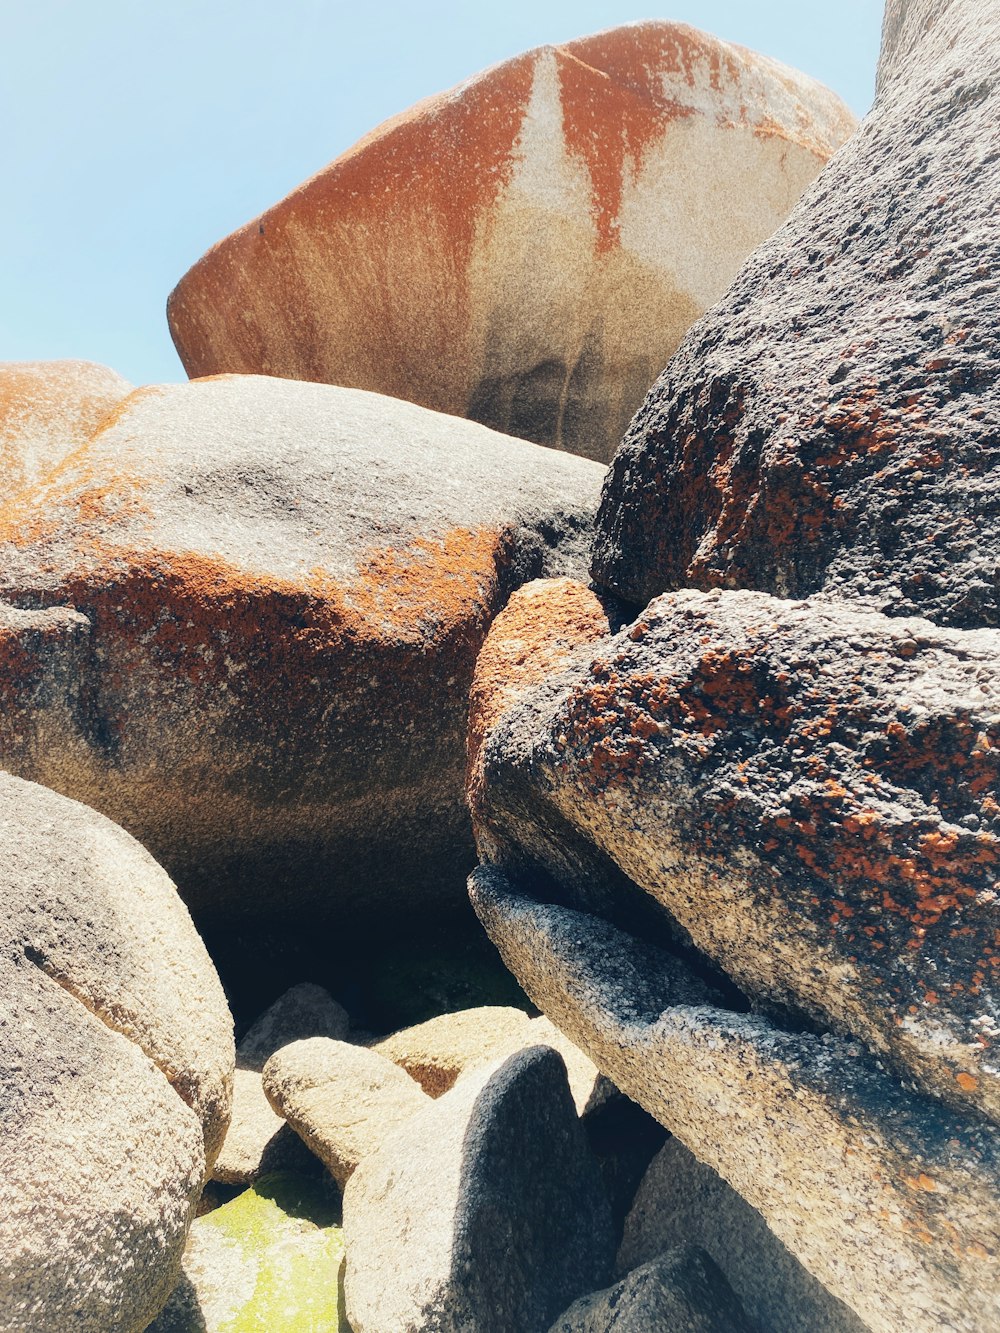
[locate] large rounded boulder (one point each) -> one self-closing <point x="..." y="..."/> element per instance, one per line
<point x="246" y="620"/>
<point x="526" y="249"/>
<point x="116" y="1063"/>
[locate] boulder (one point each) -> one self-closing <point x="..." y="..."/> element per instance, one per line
<point x="258" y="1141"/>
<point x="287" y="586"/>
<point x="116" y="1059"/>
<point x="341" y="1100"/>
<point x="682" y="1291"/>
<point x="680" y="1201"/>
<point x="833" y="423"/>
<point x="270" y="1259"/>
<point x="48" y="409"/>
<point x="807" y="789"/>
<point x="528" y="248"/>
<point x="305" y="1010"/>
<point x="886" y="1196"/>
<point x="482" y="1212"/>
<point x="437" y="1052"/>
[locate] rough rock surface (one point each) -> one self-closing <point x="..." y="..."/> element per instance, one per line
<point x="435" y="1053"/>
<point x="833" y="423"/>
<point x="683" y="1292"/>
<point x="269" y="1261"/>
<point x="680" y="1201"/>
<point x="287" y="585"/>
<point x="808" y="789"/>
<point x="857" y="1176"/>
<point x="48" y="409"/>
<point x="484" y="1211"/>
<point x="259" y="1141"/>
<point x="341" y="1100"/>
<point x="528" y="248"/>
<point x="116" y="1058"/>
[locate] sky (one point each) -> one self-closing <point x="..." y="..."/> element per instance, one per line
<point x="139" y="132"/>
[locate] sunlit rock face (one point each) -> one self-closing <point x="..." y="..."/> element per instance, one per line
<point x="529" y="248"/>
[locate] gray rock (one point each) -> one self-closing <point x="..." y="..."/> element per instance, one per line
<point x="683" y="1292"/>
<point x="483" y="1213"/>
<point x="807" y="789"/>
<point x="680" y="1201"/>
<point x="860" y="1178"/>
<point x="833" y="423"/>
<point x="116" y="1060"/>
<point x="557" y="223"/>
<point x="287" y="585"/>
<point x="303" y="1011"/>
<point x="342" y="1101"/>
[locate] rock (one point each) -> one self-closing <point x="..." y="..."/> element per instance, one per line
<point x="116" y="1059"/>
<point x="587" y="1085"/>
<point x="528" y="248"/>
<point x="832" y="423"/>
<point x="47" y="410"/>
<point x="435" y="1053"/>
<point x="859" y="1177"/>
<point x="484" y="1211"/>
<point x="258" y="1141"/>
<point x="341" y="1100"/>
<point x="682" y="1291"/>
<point x="680" y="1201"/>
<point x="807" y="789"/>
<point x="270" y="1259"/>
<point x="287" y="586"/>
<point x="306" y="1010"/>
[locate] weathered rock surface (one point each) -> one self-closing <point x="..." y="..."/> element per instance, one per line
<point x="116" y="1058"/>
<point x="287" y="586"/>
<point x="858" y="1177"/>
<point x="682" y="1291"/>
<point x="808" y="789"/>
<point x="435" y="1053"/>
<point x="270" y="1259"/>
<point x="259" y="1141"/>
<point x="833" y="423"/>
<point x="341" y="1100"/>
<point x="47" y="410"/>
<point x="484" y="1211"/>
<point x="680" y="1201"/>
<point x="528" y="248"/>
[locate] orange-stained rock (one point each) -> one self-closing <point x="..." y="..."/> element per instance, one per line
<point x="48" y="409"/>
<point x="286" y="587"/>
<point x="528" y="248"/>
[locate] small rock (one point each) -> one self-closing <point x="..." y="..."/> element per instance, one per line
<point x="341" y="1100"/>
<point x="483" y="1212"/>
<point x="258" y="1141"/>
<point x="269" y="1260"/>
<point x="682" y="1291"/>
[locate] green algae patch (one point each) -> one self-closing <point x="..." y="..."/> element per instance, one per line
<point x="269" y="1261"/>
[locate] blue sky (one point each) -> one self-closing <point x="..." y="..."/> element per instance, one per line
<point x="138" y="132"/>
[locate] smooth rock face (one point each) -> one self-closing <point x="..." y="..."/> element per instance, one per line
<point x="270" y="1259"/>
<point x="808" y="789"/>
<point x="680" y="1201"/>
<point x="342" y="1100"/>
<point x="258" y="1140"/>
<point x="116" y="1059"/>
<point x="437" y="1052"/>
<point x="833" y="423"/>
<point x="682" y="1291"/>
<point x="858" y="1177"/>
<point x="484" y="1211"/>
<point x="528" y="248"/>
<point x="47" y="410"/>
<point x="287" y="585"/>
<point x="305" y="1010"/>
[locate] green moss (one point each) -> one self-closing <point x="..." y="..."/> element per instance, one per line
<point x="286" y="1229"/>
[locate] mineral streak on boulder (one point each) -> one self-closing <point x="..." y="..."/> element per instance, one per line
<point x="48" y="409"/>
<point x="886" y="1196"/>
<point x="809" y="790"/>
<point x="116" y="1060"/>
<point x="287" y="585"/>
<point x="833" y="424"/>
<point x="493" y="251"/>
